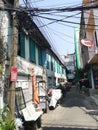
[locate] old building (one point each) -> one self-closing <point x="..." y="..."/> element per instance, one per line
<point x="89" y="43"/>
<point x="33" y="52"/>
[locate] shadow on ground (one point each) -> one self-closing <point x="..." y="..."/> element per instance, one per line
<point x="93" y="113"/>
<point x="75" y="99"/>
<point x="64" y="128"/>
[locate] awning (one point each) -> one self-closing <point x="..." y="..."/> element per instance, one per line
<point x="94" y="59"/>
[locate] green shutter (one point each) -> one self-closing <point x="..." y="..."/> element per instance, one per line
<point x="47" y="61"/>
<point x="51" y="63"/>
<point x="62" y="70"/>
<point x="22" y="45"/>
<point x="39" y="56"/>
<point x="32" y="51"/>
<point x="56" y="66"/>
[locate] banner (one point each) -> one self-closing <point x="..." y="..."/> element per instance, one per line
<point x="35" y="89"/>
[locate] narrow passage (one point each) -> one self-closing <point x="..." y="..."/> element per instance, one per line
<point x="76" y="112"/>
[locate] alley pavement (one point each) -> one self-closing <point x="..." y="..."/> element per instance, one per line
<point x="94" y="96"/>
<point x="77" y="111"/>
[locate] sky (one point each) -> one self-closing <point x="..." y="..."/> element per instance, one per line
<point x="59" y="34"/>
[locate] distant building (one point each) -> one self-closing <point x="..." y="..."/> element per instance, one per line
<point x="69" y="61"/>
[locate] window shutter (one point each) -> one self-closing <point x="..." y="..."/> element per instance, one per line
<point x="22" y="45"/>
<point x="32" y="50"/>
<point x="39" y="56"/>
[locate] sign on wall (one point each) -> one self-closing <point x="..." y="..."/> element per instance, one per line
<point x="14" y="72"/>
<point x="23" y="82"/>
<point x="87" y="42"/>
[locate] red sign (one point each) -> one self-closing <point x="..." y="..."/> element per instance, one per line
<point x="87" y="42"/>
<point x="14" y="72"/>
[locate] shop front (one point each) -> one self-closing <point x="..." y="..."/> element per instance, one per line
<point x="93" y="62"/>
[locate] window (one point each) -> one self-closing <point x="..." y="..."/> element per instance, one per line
<point x="56" y="66"/>
<point x="40" y="56"/>
<point x="32" y="51"/>
<point x="47" y="61"/>
<point x="63" y="71"/>
<point x="21" y="50"/>
<point x="51" y="63"/>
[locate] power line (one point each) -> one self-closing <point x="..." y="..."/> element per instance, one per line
<point x="34" y="12"/>
<point x="65" y="9"/>
<point x="61" y="20"/>
<point x="46" y="36"/>
<point x="62" y="37"/>
<point x="57" y="4"/>
<point x="57" y="32"/>
<point x="79" y="8"/>
<point x="46" y="25"/>
<point x="56" y="20"/>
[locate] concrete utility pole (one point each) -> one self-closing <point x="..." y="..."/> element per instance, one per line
<point x="13" y="61"/>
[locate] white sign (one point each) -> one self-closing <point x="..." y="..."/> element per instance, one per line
<point x="87" y="42"/>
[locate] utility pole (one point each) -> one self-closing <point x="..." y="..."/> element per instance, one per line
<point x="13" y="60"/>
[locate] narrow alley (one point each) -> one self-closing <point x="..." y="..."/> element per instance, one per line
<point x="76" y="112"/>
